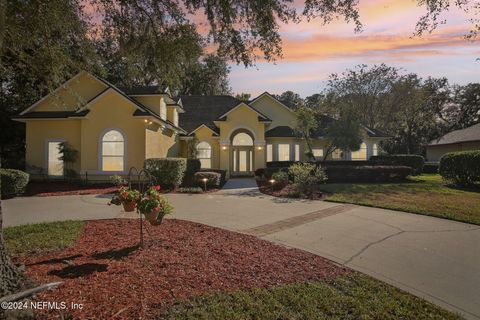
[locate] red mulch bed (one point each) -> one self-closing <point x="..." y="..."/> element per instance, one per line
<point x="287" y="192"/>
<point x="110" y="276"/>
<point x="62" y="188"/>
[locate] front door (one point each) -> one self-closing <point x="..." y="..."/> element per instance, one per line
<point x="242" y="161"/>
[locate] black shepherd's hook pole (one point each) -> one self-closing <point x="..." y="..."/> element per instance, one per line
<point x="142" y="175"/>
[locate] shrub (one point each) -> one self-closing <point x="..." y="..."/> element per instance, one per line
<point x="430" y="167"/>
<point x="367" y="173"/>
<point x="462" y="168"/>
<point x="13" y="182"/>
<point x="223" y="174"/>
<point x="413" y="161"/>
<point x="193" y="166"/>
<point x="281" y="180"/>
<point x="214" y="179"/>
<point x="169" y="172"/>
<point x="260" y="172"/>
<point x="118" y="180"/>
<point x="307" y="176"/>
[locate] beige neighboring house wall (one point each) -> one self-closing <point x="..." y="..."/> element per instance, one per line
<point x="458" y="140"/>
<point x="434" y="153"/>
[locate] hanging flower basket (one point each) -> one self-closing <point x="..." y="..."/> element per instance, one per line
<point x="153" y="206"/>
<point x="126" y="197"/>
<point x="129" y="206"/>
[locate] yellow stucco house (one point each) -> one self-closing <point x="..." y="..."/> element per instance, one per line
<point x="116" y="128"/>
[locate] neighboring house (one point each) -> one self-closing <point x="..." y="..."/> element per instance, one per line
<point x="115" y="129"/>
<point x="458" y="140"/>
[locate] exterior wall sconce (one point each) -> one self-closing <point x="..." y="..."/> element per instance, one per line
<point x="259" y="148"/>
<point x="145" y="120"/>
<point x="224" y="148"/>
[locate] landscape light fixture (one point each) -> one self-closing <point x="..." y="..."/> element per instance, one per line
<point x="205" y="183"/>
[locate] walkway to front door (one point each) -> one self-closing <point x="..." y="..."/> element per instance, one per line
<point x="240" y="186"/>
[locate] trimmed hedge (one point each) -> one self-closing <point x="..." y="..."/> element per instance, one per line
<point x="223" y="174"/>
<point x="214" y="179"/>
<point x="169" y="172"/>
<point x="13" y="182"/>
<point x="413" y="161"/>
<point x="367" y="173"/>
<point x="430" y="167"/>
<point x="462" y="168"/>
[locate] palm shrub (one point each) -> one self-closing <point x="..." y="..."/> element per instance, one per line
<point x="461" y="168"/>
<point x="307" y="176"/>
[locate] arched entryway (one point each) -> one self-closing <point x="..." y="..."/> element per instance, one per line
<point x="242" y="156"/>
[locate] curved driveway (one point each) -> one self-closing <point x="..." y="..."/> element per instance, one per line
<point x="433" y="258"/>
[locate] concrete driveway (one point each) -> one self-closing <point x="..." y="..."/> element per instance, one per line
<point x="436" y="259"/>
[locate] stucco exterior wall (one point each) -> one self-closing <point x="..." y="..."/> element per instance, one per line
<point x="278" y="113"/>
<point x="151" y="102"/>
<point x="242" y="118"/>
<point x="73" y="95"/>
<point x="111" y="111"/>
<point x="38" y="132"/>
<point x="434" y="153"/>
<point x="160" y="143"/>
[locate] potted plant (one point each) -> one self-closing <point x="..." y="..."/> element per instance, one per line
<point x="126" y="197"/>
<point x="153" y="206"/>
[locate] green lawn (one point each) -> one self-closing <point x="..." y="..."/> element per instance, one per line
<point x="425" y="194"/>
<point x="348" y="297"/>
<point x="37" y="238"/>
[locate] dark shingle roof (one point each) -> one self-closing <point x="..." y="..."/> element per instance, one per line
<point x="280" y="132"/>
<point x="468" y="134"/>
<point x="204" y="110"/>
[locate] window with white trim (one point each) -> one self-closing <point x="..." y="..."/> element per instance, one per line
<point x="113" y="151"/>
<point x="317" y="153"/>
<point x="375" y="150"/>
<point x="204" y="154"/>
<point x="269" y="153"/>
<point x="360" y="154"/>
<point x="54" y="164"/>
<point x="283" y="152"/>
<point x="297" y="152"/>
<point x="242" y="139"/>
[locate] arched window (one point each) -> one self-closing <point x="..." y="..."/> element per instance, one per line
<point x="113" y="151"/>
<point x="242" y="139"/>
<point x="204" y="154"/>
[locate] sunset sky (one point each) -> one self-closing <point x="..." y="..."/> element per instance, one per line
<point x="313" y="51"/>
